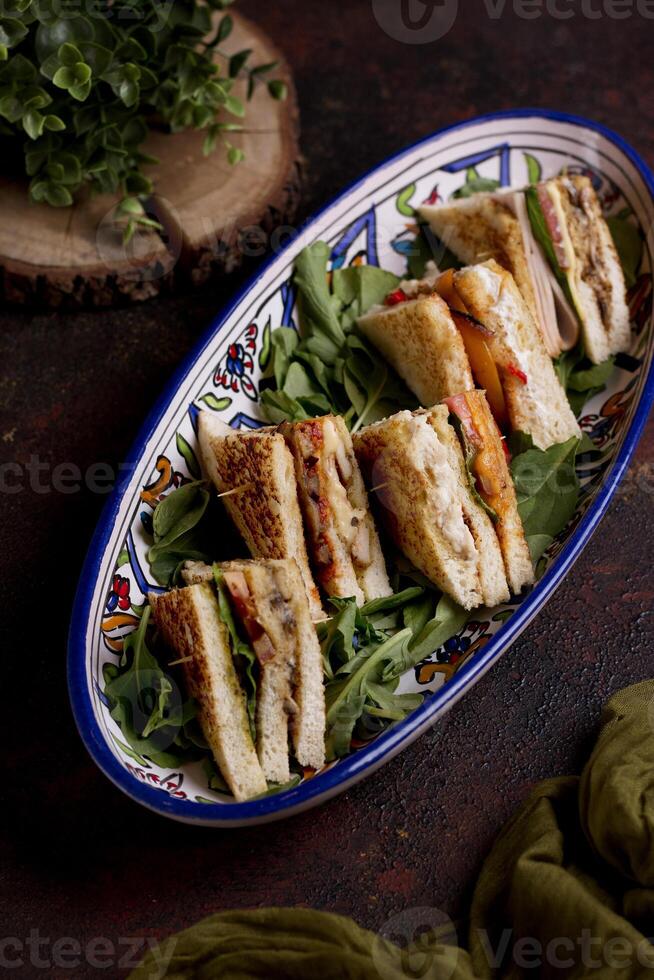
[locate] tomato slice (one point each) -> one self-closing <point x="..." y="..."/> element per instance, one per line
<point x="244" y="606"/>
<point x="458" y="404"/>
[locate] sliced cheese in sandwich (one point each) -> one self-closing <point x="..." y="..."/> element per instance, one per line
<point x="342" y="538"/>
<point x="418" y="337"/>
<point x="255" y="473"/>
<point x="414" y="465"/>
<point x="535" y="400"/>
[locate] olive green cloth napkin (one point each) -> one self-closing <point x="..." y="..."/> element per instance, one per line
<point x="567" y="892"/>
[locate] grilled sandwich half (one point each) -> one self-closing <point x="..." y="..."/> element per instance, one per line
<point x="256" y="474"/>
<point x="553" y="239"/>
<point x="418" y="337"/>
<point x="535" y="400"/>
<point x="453" y="332"/>
<point x="414" y="464"/>
<point x="578" y="243"/>
<point x="252" y="661"/>
<point x="496" y="226"/>
<point x="342" y="538"/>
<point x="488" y="471"/>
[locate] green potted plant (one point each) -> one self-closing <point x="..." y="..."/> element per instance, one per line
<point x="83" y="81"/>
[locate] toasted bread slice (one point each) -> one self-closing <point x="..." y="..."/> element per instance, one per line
<point x="258" y="466"/>
<point x="414" y="464"/>
<point x="536" y="401"/>
<point x="342" y="537"/>
<point x="283" y="612"/>
<point x="421" y="341"/>
<point x="483" y="227"/>
<point x="594" y="272"/>
<point x="190" y="624"/>
<point x="494" y="483"/>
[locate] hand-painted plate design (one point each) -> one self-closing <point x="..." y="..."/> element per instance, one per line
<point x="372" y="223"/>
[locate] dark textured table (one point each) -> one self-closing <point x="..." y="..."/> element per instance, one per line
<point x="80" y="860"/>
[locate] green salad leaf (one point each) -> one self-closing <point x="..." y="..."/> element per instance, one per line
<point x="427" y="247"/>
<point x="329" y="367"/>
<point x="476" y="184"/>
<point x="447" y="620"/>
<point x="628" y="243"/>
<point x="180" y="530"/>
<point x="358" y="288"/>
<point x="547" y="487"/>
<point x="367" y="649"/>
<point x="581" y="378"/>
<point x="544" y="239"/>
<point x="146" y="701"/>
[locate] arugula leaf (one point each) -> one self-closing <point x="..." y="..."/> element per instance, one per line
<point x="538" y="545"/>
<point x="392" y="707"/>
<point x="448" y="619"/>
<point x="416" y="614"/>
<point x="337" y="638"/>
<point x="547" y="487"/>
<point x="343" y="697"/>
<point x="244" y="656"/>
<point x="363" y="664"/>
<point x="284" y="342"/>
<point x="358" y="288"/>
<point x="148" y="705"/>
<point x="392" y="601"/>
<point x="581" y="378"/>
<point x="374" y="389"/>
<point x="179" y="512"/>
<point x="330" y="368"/>
<point x="279" y="407"/>
<point x="318" y="306"/>
<point x="341" y="726"/>
<point x="629" y="245"/>
<point x="475" y="184"/>
<point x="427" y="247"/>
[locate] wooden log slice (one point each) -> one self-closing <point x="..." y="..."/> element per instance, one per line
<point x="214" y="215"/>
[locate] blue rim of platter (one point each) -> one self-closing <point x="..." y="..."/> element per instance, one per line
<point x="349" y="770"/>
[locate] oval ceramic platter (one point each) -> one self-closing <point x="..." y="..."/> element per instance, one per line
<point x="372" y="223"/>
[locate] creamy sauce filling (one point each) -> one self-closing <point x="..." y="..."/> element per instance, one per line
<point x="349" y="520"/>
<point x="431" y="457"/>
<point x="503" y="304"/>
